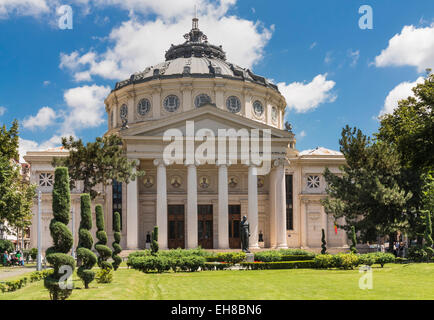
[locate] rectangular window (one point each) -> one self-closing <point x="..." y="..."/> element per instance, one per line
<point x="117" y="199"/>
<point x="289" y="202"/>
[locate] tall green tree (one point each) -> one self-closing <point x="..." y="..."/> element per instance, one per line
<point x="367" y="195"/>
<point x="104" y="252"/>
<point x="16" y="194"/>
<point x="97" y="163"/>
<point x="117" y="260"/>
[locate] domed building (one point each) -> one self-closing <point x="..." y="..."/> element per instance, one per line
<point x="193" y="104"/>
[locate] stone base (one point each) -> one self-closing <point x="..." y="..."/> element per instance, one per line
<point x="250" y="257"/>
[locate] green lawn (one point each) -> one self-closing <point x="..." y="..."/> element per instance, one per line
<point x="412" y="281"/>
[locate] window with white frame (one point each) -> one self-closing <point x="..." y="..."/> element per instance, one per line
<point x="46" y="179"/>
<point x="313" y="182"/>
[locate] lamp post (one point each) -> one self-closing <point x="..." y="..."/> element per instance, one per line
<point x="39" y="265"/>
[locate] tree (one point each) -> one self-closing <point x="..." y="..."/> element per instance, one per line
<point x="409" y="130"/>
<point x="101" y="246"/>
<point x="97" y="163"/>
<point x="116" y="244"/>
<point x="428" y="236"/>
<point x="367" y="195"/>
<point x="323" y="242"/>
<point x="16" y="195"/>
<point x="84" y="254"/>
<point x="57" y="255"/>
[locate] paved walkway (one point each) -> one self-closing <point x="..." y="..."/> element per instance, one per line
<point x="11" y="272"/>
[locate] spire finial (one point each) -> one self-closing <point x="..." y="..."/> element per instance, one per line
<point x="195" y="24"/>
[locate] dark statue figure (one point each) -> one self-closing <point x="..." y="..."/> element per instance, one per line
<point x="245" y="234"/>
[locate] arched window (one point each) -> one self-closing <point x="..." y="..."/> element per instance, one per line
<point x="233" y="104"/>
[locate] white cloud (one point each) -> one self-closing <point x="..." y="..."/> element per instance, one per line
<point x="46" y="82"/>
<point x="137" y="45"/>
<point x="302" y="134"/>
<point x="85" y="107"/>
<point x="44" y="118"/>
<point x="23" y="7"/>
<point x="412" y="47"/>
<point x="2" y="110"/>
<point x="30" y="145"/>
<point x="313" y="45"/>
<point x="400" y="92"/>
<point x="303" y="97"/>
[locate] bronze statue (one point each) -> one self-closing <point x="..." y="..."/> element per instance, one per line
<point x="245" y="234"/>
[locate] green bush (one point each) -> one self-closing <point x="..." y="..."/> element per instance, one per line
<point x="323" y="261"/>
<point x="104" y="252"/>
<point x="34" y="253"/>
<point x="104" y="276"/>
<point x="161" y="263"/>
<point x="116" y="244"/>
<point x="268" y="256"/>
<point x="345" y="261"/>
<point x="417" y="254"/>
<point x="84" y="254"/>
<point x="367" y="259"/>
<point x="382" y="258"/>
<point x="230" y="257"/>
<point x="353" y="237"/>
<point x="296" y="252"/>
<point x="292" y="257"/>
<point x="62" y="238"/>
<point x="154" y="243"/>
<point x="278" y="265"/>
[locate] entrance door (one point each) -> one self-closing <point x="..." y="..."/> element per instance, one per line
<point x="204" y="226"/>
<point x="234" y="214"/>
<point x="175" y="217"/>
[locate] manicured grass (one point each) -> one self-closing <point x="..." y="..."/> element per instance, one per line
<point x="412" y="281"/>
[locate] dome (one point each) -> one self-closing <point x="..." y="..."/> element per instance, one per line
<point x="195" y="58"/>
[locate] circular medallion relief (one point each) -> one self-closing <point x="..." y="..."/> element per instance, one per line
<point x="175" y="181"/>
<point x="204" y="182"/>
<point x="148" y="181"/>
<point x="124" y="112"/>
<point x="233" y="182"/>
<point x="201" y="100"/>
<point x="143" y="107"/>
<point x="171" y="103"/>
<point x="233" y="104"/>
<point x="258" y="108"/>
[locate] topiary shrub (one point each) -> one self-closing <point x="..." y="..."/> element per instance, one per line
<point x="33" y="253"/>
<point x="116" y="244"/>
<point x="154" y="244"/>
<point x="57" y="255"/>
<point x="346" y="261"/>
<point x="353" y="248"/>
<point x="323" y="261"/>
<point x="323" y="242"/>
<point x="382" y="258"/>
<point x="367" y="259"/>
<point x="84" y="254"/>
<point x="104" y="252"/>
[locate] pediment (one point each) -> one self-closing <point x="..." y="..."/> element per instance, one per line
<point x="207" y="117"/>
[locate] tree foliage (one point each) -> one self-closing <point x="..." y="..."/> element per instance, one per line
<point x="97" y="163"/>
<point x="104" y="252"/>
<point x="367" y="195"/>
<point x="16" y="194"/>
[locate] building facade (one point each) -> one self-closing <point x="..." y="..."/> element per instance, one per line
<point x="197" y="93"/>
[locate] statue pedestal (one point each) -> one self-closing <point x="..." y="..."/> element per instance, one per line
<point x="250" y="257"/>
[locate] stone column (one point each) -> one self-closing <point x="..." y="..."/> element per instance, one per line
<point x="223" y="205"/>
<point x="132" y="214"/>
<point x="272" y="211"/>
<point x="280" y="206"/>
<point x="156" y="102"/>
<point x="161" y="203"/>
<point x="253" y="207"/>
<point x="192" y="207"/>
<point x="304" y="204"/>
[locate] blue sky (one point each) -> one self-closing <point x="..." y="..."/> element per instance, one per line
<point x="332" y="72"/>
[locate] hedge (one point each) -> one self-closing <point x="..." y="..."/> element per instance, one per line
<point x="13" y="285"/>
<point x="229" y="257"/>
<point x="278" y="265"/>
<point x="161" y="263"/>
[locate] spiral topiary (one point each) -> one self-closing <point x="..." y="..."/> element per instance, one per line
<point x="101" y="246"/>
<point x="116" y="246"/>
<point x="154" y="244"/>
<point x="85" y="242"/>
<point x="323" y="242"/>
<point x="57" y="255"/>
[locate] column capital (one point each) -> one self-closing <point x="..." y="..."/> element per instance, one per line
<point x="280" y="162"/>
<point x="222" y="164"/>
<point x="159" y="162"/>
<point x="194" y="164"/>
